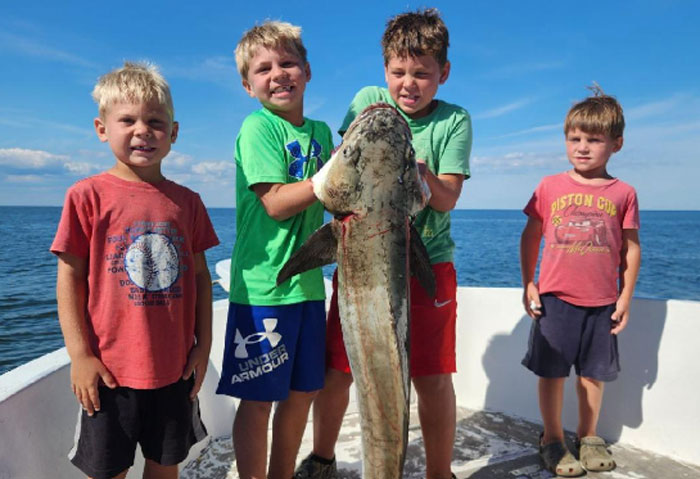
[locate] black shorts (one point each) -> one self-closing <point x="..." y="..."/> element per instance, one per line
<point x="163" y="421"/>
<point x="567" y="335"/>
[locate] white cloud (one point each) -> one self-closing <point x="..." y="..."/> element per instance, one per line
<point x="82" y="168"/>
<point x="517" y="161"/>
<point x="313" y="104"/>
<point x="217" y="169"/>
<point x="655" y="108"/>
<point x="519" y="69"/>
<point x="220" y="70"/>
<point x="15" y="121"/>
<point x="185" y="169"/>
<point x="504" y="109"/>
<point x="529" y="131"/>
<point x="30" y="47"/>
<point x="23" y="179"/>
<point x="33" y="159"/>
<point x="178" y="160"/>
<point x="47" y="164"/>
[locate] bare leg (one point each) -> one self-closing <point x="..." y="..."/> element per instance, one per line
<point x="287" y="430"/>
<point x="551" y="398"/>
<point x="438" y="417"/>
<point x="329" y="409"/>
<point x="121" y="475"/>
<point x="250" y="438"/>
<point x="153" y="470"/>
<point x="590" y="398"/>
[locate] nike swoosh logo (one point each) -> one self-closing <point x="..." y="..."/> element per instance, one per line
<point x="440" y="304"/>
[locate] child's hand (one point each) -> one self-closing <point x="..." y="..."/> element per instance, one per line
<point x="531" y="301"/>
<point x="85" y="375"/>
<point x="620" y="316"/>
<point x="425" y="187"/>
<point x="196" y="363"/>
<point x="422" y="167"/>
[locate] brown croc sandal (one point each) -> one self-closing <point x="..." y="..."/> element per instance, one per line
<point x="594" y="454"/>
<point x="558" y="459"/>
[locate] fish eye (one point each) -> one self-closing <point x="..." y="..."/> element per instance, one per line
<point x="351" y="154"/>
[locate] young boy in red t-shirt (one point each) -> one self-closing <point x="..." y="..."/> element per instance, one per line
<point x="133" y="288"/>
<point x="590" y="223"/>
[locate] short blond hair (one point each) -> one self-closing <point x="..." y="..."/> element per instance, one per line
<point x="416" y="34"/>
<point x="271" y="34"/>
<point x="597" y="114"/>
<point x="134" y="82"/>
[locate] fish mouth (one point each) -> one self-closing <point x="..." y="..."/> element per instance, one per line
<point x="370" y="111"/>
<point x="345" y="216"/>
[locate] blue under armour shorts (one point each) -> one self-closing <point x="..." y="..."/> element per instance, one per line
<point x="271" y="350"/>
<point x="567" y="335"/>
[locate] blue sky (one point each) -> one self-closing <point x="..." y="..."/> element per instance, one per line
<point x="516" y="66"/>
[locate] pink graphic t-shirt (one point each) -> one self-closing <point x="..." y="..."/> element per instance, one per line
<point x="140" y="240"/>
<point x="582" y="228"/>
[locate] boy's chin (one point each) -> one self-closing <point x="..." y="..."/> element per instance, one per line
<point x="414" y="112"/>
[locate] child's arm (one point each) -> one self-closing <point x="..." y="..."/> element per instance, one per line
<point x="284" y="200"/>
<point x="629" y="269"/>
<point x="199" y="354"/>
<point x="444" y="189"/>
<point x="86" y="370"/>
<point x="529" y="251"/>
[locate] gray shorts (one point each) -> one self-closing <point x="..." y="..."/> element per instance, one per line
<point x="164" y="421"/>
<point x="567" y="335"/>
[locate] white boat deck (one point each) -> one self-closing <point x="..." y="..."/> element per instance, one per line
<point x="488" y="445"/>
<point x="652" y="406"/>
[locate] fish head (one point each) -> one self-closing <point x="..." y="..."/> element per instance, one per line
<point x="373" y="169"/>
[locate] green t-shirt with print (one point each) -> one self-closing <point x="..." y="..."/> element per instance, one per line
<point x="443" y="139"/>
<point x="269" y="149"/>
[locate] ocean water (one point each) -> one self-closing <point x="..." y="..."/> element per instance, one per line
<point x="486" y="255"/>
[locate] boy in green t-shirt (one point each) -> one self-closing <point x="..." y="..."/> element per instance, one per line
<point x="275" y="345"/>
<point x="415" y="64"/>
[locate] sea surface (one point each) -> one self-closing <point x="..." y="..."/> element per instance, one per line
<point x="486" y="255"/>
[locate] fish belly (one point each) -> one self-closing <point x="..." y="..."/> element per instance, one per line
<point x="374" y="310"/>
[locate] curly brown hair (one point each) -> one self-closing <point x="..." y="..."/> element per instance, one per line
<point x="416" y="34"/>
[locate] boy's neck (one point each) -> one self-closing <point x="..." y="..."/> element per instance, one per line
<point x="424" y="113"/>
<point x="590" y="178"/>
<point x="294" y="117"/>
<point x="137" y="175"/>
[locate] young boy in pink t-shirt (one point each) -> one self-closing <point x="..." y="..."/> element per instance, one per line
<point x="133" y="289"/>
<point x="590" y="261"/>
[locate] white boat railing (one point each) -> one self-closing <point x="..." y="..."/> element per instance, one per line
<point x="652" y="405"/>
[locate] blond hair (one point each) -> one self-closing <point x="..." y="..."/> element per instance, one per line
<point x="135" y="82"/>
<point x="598" y="114"/>
<point x="416" y="34"/>
<point x="271" y="34"/>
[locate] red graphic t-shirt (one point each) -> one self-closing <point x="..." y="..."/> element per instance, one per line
<point x="140" y="240"/>
<point x="582" y="228"/>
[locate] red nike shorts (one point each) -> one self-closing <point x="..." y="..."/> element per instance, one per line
<point x="433" y="322"/>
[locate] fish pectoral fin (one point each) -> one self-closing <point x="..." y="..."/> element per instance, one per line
<point x="318" y="250"/>
<point x="420" y="264"/>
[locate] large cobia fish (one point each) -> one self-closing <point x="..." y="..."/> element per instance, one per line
<point x="372" y="187"/>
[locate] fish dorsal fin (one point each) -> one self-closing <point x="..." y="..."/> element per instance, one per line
<point x="318" y="250"/>
<point x="420" y="263"/>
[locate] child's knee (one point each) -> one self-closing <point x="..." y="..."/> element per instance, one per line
<point x="337" y="380"/>
<point x="256" y="408"/>
<point x="436" y="384"/>
<point x="157" y="471"/>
